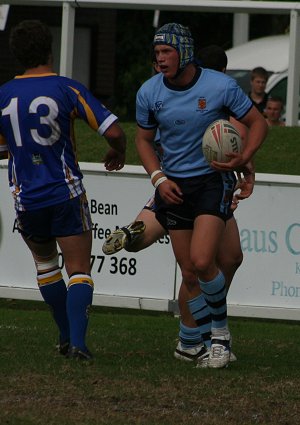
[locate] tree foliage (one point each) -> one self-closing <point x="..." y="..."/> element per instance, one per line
<point x="135" y="32"/>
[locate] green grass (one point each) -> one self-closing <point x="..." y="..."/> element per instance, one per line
<point x="134" y="378"/>
<point x="92" y="148"/>
<point x="280" y="152"/>
<point x="278" y="155"/>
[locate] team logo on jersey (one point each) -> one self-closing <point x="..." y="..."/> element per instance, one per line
<point x="37" y="159"/>
<point x="158" y="105"/>
<point x="202" y="103"/>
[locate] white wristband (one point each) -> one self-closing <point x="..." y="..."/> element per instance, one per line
<point x="155" y="173"/>
<point x="159" y="181"/>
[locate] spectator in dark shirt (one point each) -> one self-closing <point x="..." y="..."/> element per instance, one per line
<point x="258" y="81"/>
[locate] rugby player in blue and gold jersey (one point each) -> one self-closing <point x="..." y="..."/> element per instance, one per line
<point x="38" y="109"/>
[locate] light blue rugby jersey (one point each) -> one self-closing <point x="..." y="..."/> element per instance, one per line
<point x="182" y="116"/>
<point x="37" y="117"/>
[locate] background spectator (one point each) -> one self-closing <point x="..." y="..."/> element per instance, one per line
<point x="273" y="112"/>
<point x="258" y="81"/>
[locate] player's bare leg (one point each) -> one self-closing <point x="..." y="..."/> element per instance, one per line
<point x="193" y="256"/>
<point x="192" y="309"/>
<point x="230" y="254"/>
<point x="76" y="251"/>
<point x="153" y="231"/>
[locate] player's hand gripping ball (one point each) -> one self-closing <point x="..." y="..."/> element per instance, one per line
<point x="220" y="138"/>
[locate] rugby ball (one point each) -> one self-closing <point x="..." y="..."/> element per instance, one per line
<point x="220" y="137"/>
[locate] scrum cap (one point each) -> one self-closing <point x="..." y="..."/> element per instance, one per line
<point x="179" y="37"/>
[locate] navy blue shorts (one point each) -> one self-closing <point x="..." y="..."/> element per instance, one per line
<point x="208" y="194"/>
<point x="69" y="218"/>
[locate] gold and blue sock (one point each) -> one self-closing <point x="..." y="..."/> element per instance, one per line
<point x="54" y="292"/>
<point x="79" y="299"/>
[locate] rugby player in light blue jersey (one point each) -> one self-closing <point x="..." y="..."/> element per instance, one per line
<point x="195" y="321"/>
<point x="38" y="109"/>
<point x="192" y="198"/>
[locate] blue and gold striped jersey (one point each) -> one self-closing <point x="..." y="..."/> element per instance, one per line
<point x="36" y="121"/>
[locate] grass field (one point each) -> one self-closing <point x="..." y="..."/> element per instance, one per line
<point x="278" y="154"/>
<point x="134" y="378"/>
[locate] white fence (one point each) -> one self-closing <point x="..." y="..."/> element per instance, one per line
<point x="267" y="284"/>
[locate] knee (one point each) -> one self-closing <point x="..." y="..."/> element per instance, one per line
<point x="44" y="264"/>
<point x="232" y="262"/>
<point x="201" y="264"/>
<point x="189" y="279"/>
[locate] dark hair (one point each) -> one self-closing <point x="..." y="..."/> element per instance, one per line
<point x="259" y="71"/>
<point x="213" y="57"/>
<point x="276" y="99"/>
<point x="31" y="43"/>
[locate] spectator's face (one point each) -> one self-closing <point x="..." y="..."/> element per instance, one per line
<point x="258" y="85"/>
<point x="273" y="110"/>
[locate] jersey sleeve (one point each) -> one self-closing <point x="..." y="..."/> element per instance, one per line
<point x="236" y="100"/>
<point x="144" y="114"/>
<point x="90" y="109"/>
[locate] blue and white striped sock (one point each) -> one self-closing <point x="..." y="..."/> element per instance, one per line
<point x="201" y="314"/>
<point x="214" y="293"/>
<point x="189" y="337"/>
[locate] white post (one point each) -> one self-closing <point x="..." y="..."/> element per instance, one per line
<point x="67" y="40"/>
<point x="156" y="18"/>
<point x="292" y="98"/>
<point x="240" y="28"/>
<point x="4" y="8"/>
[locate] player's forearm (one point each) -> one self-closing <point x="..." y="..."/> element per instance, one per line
<point x="118" y="144"/>
<point x="258" y="130"/>
<point x="256" y="137"/>
<point x="147" y="156"/>
<point x="249" y="168"/>
<point x="116" y="138"/>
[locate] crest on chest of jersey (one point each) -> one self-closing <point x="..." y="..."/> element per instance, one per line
<point x="202" y="103"/>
